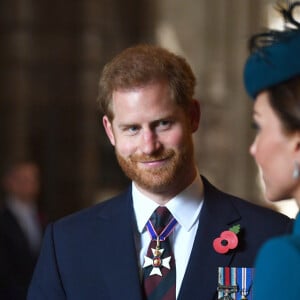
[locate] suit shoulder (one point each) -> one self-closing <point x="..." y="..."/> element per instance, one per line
<point x="284" y="242"/>
<point x="258" y="209"/>
<point x="251" y="213"/>
<point x="278" y="255"/>
<point x="280" y="251"/>
<point x="265" y="218"/>
<point x="104" y="209"/>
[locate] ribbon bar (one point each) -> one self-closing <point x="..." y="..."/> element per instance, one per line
<point x="235" y="283"/>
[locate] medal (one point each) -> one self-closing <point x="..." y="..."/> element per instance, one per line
<point x="245" y="276"/>
<point x="235" y="283"/>
<point x="226" y="291"/>
<point x="226" y="297"/>
<point x="157" y="261"/>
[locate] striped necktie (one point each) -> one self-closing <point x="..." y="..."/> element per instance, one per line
<point x="159" y="276"/>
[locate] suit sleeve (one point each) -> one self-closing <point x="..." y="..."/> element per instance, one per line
<point x="46" y="281"/>
<point x="277" y="270"/>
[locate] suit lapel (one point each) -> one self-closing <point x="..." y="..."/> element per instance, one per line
<point x="118" y="225"/>
<point x="201" y="277"/>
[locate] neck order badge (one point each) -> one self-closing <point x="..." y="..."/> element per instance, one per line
<point x="159" y="266"/>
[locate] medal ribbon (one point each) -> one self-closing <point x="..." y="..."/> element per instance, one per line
<point x="241" y="278"/>
<point x="227" y="282"/>
<point x="166" y="231"/>
<point x="245" y="276"/>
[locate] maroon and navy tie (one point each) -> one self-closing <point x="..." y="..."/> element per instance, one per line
<point x="159" y="272"/>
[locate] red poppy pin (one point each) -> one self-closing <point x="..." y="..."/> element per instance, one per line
<point x="228" y="240"/>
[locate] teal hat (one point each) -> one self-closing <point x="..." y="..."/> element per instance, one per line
<point x="273" y="64"/>
<point x="277" y="60"/>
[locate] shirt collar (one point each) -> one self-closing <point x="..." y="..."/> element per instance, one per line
<point x="185" y="207"/>
<point x="20" y="208"/>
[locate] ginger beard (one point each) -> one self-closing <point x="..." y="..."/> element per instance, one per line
<point x="159" y="179"/>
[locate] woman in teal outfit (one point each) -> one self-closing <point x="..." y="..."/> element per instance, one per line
<point x="272" y="79"/>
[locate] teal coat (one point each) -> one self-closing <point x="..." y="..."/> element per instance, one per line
<point x="277" y="274"/>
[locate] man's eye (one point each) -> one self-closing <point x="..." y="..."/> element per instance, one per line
<point x="164" y="124"/>
<point x="132" y="129"/>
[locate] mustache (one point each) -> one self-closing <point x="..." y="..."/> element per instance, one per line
<point x="152" y="157"/>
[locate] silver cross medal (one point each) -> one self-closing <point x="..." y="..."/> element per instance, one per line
<point x="227" y="290"/>
<point x="157" y="262"/>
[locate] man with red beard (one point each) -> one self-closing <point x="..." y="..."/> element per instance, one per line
<point x="161" y="239"/>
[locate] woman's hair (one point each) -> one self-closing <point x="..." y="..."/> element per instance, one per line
<point x="285" y="100"/>
<point x="284" y="96"/>
<point x="142" y="65"/>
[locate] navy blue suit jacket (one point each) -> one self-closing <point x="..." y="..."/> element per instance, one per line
<point x="92" y="254"/>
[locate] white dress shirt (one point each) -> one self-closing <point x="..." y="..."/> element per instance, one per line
<point x="185" y="208"/>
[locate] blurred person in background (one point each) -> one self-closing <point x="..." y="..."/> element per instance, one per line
<point x="272" y="79"/>
<point x="21" y="229"/>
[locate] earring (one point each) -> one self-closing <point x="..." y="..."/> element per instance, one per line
<point x="296" y="171"/>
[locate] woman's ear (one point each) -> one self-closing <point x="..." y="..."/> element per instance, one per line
<point x="195" y="114"/>
<point x="108" y="129"/>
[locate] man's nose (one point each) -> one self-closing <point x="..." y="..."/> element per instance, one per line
<point x="150" y="141"/>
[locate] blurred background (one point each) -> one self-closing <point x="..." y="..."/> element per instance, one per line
<point x="51" y="56"/>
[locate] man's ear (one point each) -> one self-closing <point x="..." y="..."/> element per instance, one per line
<point x="195" y="114"/>
<point x="108" y="129"/>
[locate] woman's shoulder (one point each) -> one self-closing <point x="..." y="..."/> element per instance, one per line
<point x="280" y="249"/>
